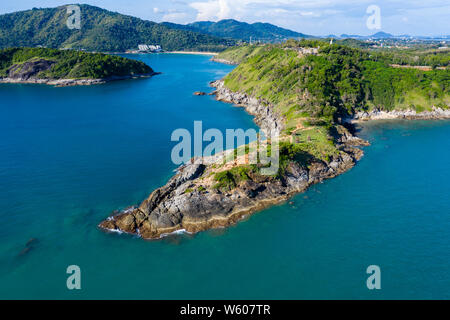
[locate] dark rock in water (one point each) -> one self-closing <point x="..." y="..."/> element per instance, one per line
<point x="24" y="251"/>
<point x="199" y="93"/>
<point x="31" y="242"/>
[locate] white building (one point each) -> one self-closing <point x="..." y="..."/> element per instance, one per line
<point x="149" y="48"/>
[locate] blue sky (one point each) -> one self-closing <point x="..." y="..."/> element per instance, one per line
<point x="317" y="17"/>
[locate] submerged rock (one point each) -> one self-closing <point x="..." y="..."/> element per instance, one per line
<point x="31" y="242"/>
<point x="29" y="245"/>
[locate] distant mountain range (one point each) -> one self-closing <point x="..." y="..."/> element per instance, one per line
<point x="233" y="29"/>
<point x="384" y="35"/>
<point x="101" y="30"/>
<point x="106" y="31"/>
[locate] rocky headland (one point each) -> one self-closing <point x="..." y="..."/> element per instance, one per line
<point x="299" y="98"/>
<point x="192" y="202"/>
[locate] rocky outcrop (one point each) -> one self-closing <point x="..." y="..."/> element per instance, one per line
<point x="182" y="205"/>
<point x="29" y="69"/>
<point x="56" y="83"/>
<point x="191" y="202"/>
<point x="73" y="82"/>
<point x="265" y="115"/>
<point x="224" y="61"/>
<point x="435" y="113"/>
<point x="345" y="137"/>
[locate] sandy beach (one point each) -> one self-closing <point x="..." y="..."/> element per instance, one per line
<point x="194" y="52"/>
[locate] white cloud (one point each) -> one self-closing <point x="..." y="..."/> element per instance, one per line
<point x="171" y="15"/>
<point x="213" y="9"/>
<point x="177" y="17"/>
<point x="244" y="9"/>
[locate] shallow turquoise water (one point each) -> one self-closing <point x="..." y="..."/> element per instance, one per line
<point x="70" y="156"/>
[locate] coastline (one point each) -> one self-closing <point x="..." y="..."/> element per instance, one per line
<point x="74" y="82"/>
<point x="174" y="207"/>
<point x="190" y="203"/>
<point x="436" y="113"/>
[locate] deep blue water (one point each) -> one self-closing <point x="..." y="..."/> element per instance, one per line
<point x="70" y="156"/>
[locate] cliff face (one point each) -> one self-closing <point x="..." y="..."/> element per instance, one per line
<point x="191" y="202"/>
<point x="224" y="61"/>
<point x="265" y="116"/>
<point x="29" y="69"/>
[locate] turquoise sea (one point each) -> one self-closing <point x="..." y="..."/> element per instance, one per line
<point x="71" y="156"/>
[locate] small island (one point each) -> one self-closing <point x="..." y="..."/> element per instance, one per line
<point x="66" y="67"/>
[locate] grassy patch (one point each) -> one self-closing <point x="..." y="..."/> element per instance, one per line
<point x="239" y="54"/>
<point x="230" y="179"/>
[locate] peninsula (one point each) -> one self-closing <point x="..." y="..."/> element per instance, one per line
<point x="310" y="92"/>
<point x="66" y="67"/>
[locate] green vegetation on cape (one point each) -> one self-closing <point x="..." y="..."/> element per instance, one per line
<point x="101" y="30"/>
<point x="68" y="64"/>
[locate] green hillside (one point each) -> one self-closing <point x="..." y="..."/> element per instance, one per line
<point x="42" y="63"/>
<point x="237" y="55"/>
<point x="336" y="82"/>
<point x="313" y="91"/>
<point x="101" y="30"/>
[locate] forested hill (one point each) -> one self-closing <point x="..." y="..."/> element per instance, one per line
<point x="40" y="63"/>
<point x="101" y="30"/>
<point x="313" y="79"/>
<point x="233" y="29"/>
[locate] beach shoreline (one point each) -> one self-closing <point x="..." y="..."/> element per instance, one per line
<point x="193" y="53"/>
